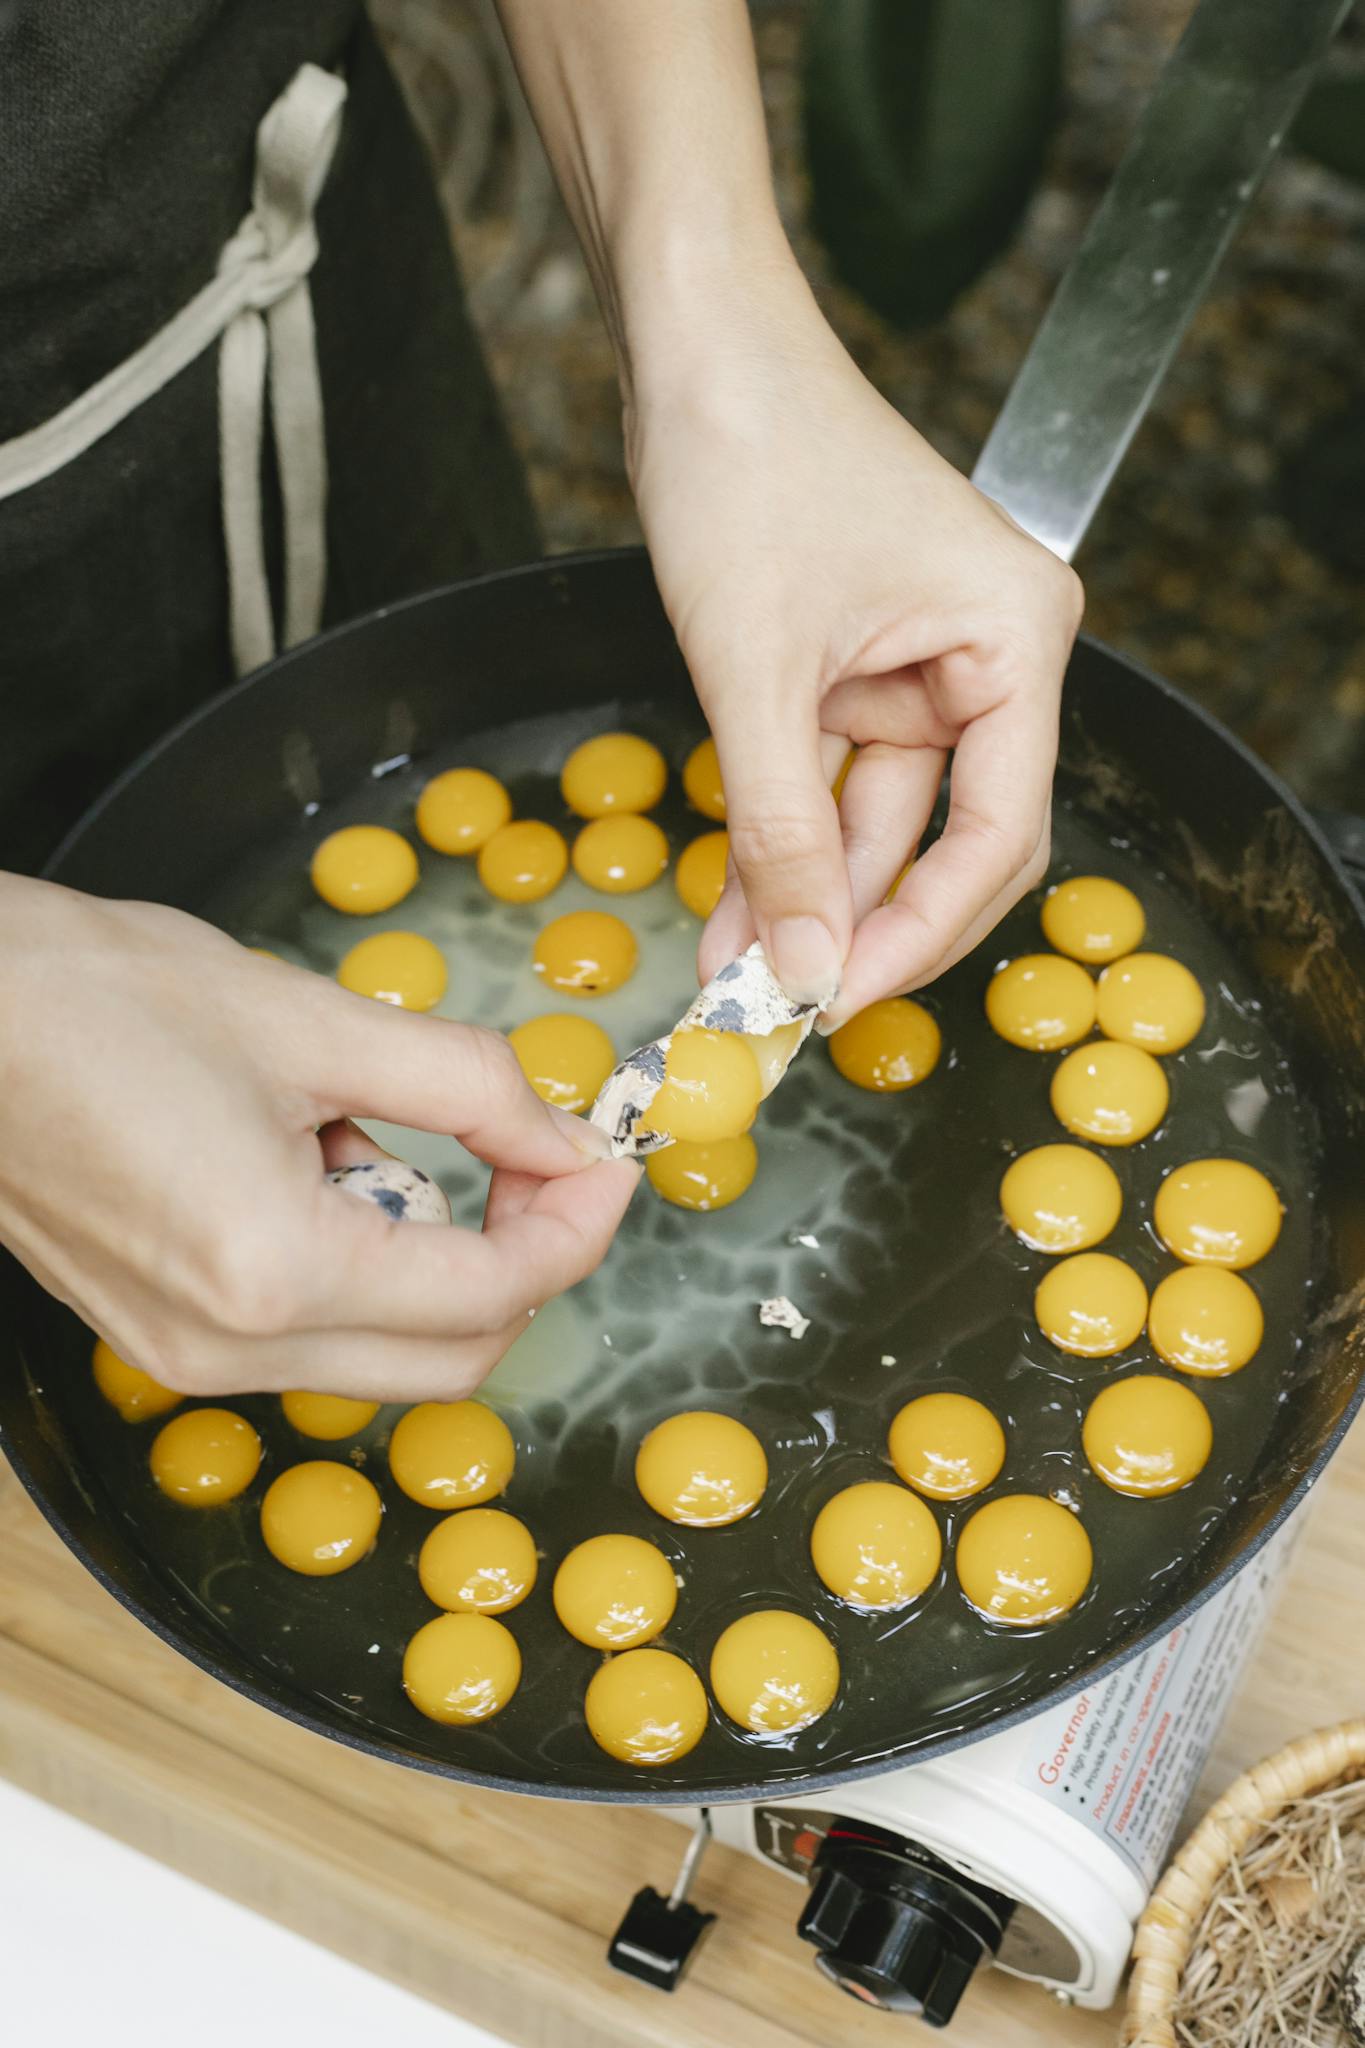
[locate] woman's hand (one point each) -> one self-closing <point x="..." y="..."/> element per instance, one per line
<point x="163" y="1171"/>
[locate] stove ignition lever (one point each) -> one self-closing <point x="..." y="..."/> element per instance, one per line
<point x="659" y="1936"/>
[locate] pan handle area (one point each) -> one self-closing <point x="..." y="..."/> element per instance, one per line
<point x="1201" y="147"/>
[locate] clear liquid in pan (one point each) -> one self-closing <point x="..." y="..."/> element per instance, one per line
<point x="876" y="1214"/>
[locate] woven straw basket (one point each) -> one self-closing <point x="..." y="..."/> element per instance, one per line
<point x="1167" y="1930"/>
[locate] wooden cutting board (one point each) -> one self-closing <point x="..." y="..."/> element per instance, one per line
<point x="498" y="1907"/>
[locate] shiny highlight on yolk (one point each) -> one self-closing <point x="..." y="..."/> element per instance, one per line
<point x="1147" y="1436"/>
<point x="615" y="1592"/>
<point x="1217" y="1212"/>
<point x="889" y="1046"/>
<point x="587" y="953"/>
<point x="1092" y="1305"/>
<point x="523" y="861"/>
<point x="401" y="968"/>
<point x="1205" y="1320"/>
<point x="1093" y="919"/>
<point x="617" y="771"/>
<point x="458" y="811"/>
<point x="773" y="1672"/>
<point x="363" y="869"/>
<point x="1023" y="1560"/>
<point x="1041" y="1002"/>
<point x="451" y="1454"/>
<point x="701" y="780"/>
<point x="480" y="1561"/>
<point x="701" y="1469"/>
<point x="646" y="1707"/>
<point x="1060" y="1198"/>
<point x="135" y="1394"/>
<point x="206" y="1457"/>
<point x="320" y="1518"/>
<point x="461" y="1669"/>
<point x="1151" y="1001"/>
<point x="875" y="1545"/>
<point x="711" y="1087"/>
<point x="566" y="1059"/>
<point x="703" y="1177"/>
<point x="1113" y="1094"/>
<point x="700" y="874"/>
<point x="946" y="1445"/>
<point x="329" y="1417"/>
<point x="620" y="854"/>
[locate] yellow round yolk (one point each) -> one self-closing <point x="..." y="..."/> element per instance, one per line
<point x="1041" y="1002"/>
<point x="206" y="1457"/>
<point x="461" y="1669"/>
<point x="1217" y="1212"/>
<point x="401" y="968"/>
<point x="459" y="810"/>
<point x="1092" y="1305"/>
<point x="888" y="1046"/>
<point x="711" y="1088"/>
<point x="701" y="1469"/>
<point x="1205" y="1320"/>
<point x="1023" y="1559"/>
<point x="1146" y="1435"/>
<point x="617" y="771"/>
<point x="565" y="1059"/>
<point x="329" y="1417"/>
<point x="1113" y="1094"/>
<point x="703" y="1176"/>
<point x="773" y="1672"/>
<point x="523" y="861"/>
<point x="480" y="1561"/>
<point x="646" y="1707"/>
<point x="587" y="953"/>
<point x="620" y="854"/>
<point x="614" y="1592"/>
<point x="1151" y="1001"/>
<point x="1093" y="919"/>
<point x="700" y="874"/>
<point x="363" y="869"/>
<point x="946" y="1445"/>
<point x="876" y="1545"/>
<point x="701" y="780"/>
<point x="135" y="1394"/>
<point x="1060" y="1198"/>
<point x="320" y="1518"/>
<point x="451" y="1454"/>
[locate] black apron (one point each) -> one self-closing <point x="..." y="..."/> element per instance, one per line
<point x="127" y="141"/>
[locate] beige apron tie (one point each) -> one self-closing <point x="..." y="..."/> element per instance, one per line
<point x="259" y="302"/>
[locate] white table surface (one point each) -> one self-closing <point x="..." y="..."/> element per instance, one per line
<point x="100" y="1944"/>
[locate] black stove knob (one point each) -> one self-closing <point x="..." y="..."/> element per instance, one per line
<point x="894" y="1926"/>
<point x="657" y="1939"/>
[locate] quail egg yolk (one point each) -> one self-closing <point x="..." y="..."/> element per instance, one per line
<point x="876" y="1545"/>
<point x="363" y="869"/>
<point x="587" y="953"/>
<point x="1111" y="1093"/>
<point x="459" y="810"/>
<point x="1093" y="919"/>
<point x="566" y="1059"/>
<point x="1217" y="1212"/>
<point x="1060" y="1198"/>
<point x="451" y="1454"/>
<point x="1147" y="1435"/>
<point x="946" y="1445"/>
<point x="700" y="874"/>
<point x="774" y="1051"/>
<point x="320" y="1518"/>
<point x="888" y="1046"/>
<point x="615" y="1592"/>
<point x="646" y="1707"/>
<point x="620" y="854"/>
<point x="206" y="1457"/>
<point x="1041" y="1002"/>
<point x="1091" y="1305"/>
<point x="701" y="1469"/>
<point x="1023" y="1559"/>
<point x="836" y="789"/>
<point x="711" y="1087"/>
<point x="1205" y="1320"/>
<point x="701" y="780"/>
<point x="401" y="968"/>
<point x="135" y="1394"/>
<point x="480" y="1561"/>
<point x="703" y="1176"/>
<point x="773" y="1672"/>
<point x="329" y="1417"/>
<point x="1151" y="1001"/>
<point x="461" y="1669"/>
<point x="523" y="861"/>
<point x="617" y="771"/>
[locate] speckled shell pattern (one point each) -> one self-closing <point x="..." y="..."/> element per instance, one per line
<point x="403" y="1192"/>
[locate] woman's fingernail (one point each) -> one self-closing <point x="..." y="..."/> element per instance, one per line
<point x="805" y="959"/>
<point x="825" y="1027"/>
<point x="589" y="1139"/>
